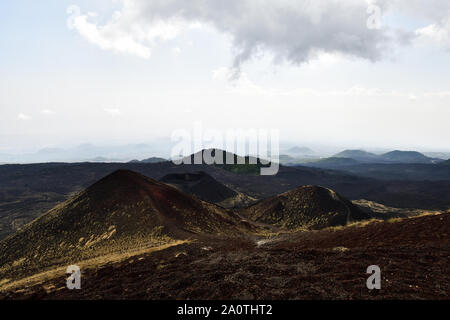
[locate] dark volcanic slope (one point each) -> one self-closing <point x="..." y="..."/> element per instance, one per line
<point x="123" y="211"/>
<point x="201" y="185"/>
<point x="413" y="255"/>
<point x="309" y="206"/>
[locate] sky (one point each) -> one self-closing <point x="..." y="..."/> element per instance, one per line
<point x="350" y="73"/>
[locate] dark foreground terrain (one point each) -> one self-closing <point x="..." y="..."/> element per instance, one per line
<point x="413" y="255"/>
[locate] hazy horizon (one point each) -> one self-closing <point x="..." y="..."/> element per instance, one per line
<point x="162" y="149"/>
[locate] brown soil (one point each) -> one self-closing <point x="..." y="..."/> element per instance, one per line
<point x="413" y="255"/>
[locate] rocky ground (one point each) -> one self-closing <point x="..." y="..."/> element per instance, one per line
<point x="413" y="255"/>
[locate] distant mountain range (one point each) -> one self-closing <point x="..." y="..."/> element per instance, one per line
<point x="91" y="153"/>
<point x="355" y="157"/>
<point x="296" y="155"/>
<point x="149" y="160"/>
<point x="407" y="157"/>
<point x="389" y="157"/>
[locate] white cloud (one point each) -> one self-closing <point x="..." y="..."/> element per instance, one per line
<point x="23" y="116"/>
<point x="110" y="37"/>
<point x="122" y="33"/>
<point x="435" y="13"/>
<point x="47" y="112"/>
<point x="113" y="112"/>
<point x="438" y="33"/>
<point x="293" y="31"/>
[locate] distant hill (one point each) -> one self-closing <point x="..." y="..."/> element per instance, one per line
<point x="149" y="160"/>
<point x="102" y="159"/>
<point x="438" y="155"/>
<point x="306" y="207"/>
<point x="286" y="159"/>
<point x="123" y="211"/>
<point x="359" y="155"/>
<point x="406" y="157"/>
<point x="333" y="162"/>
<point x="153" y="160"/>
<point x="390" y="157"/>
<point x="227" y="161"/>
